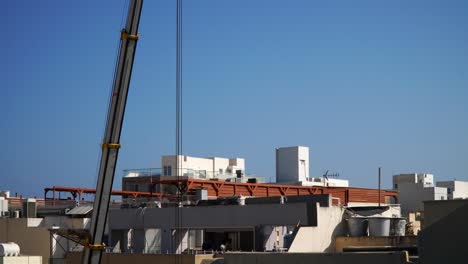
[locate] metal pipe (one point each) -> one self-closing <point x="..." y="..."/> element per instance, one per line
<point x="380" y="169"/>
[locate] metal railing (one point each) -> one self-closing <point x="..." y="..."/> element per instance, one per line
<point x="191" y="173"/>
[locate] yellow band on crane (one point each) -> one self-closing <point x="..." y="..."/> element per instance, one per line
<point x="110" y="145"/>
<point x="125" y="35"/>
<point x="95" y="246"/>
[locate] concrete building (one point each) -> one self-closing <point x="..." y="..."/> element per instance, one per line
<point x="203" y="168"/>
<point x="292" y="164"/>
<point x="292" y="167"/>
<point x="141" y="180"/>
<point x="455" y="189"/>
<point x="34" y="239"/>
<point x="259" y="225"/>
<point x="415" y="188"/>
<point x="427" y="180"/>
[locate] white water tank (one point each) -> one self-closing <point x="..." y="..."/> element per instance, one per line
<point x="9" y="249"/>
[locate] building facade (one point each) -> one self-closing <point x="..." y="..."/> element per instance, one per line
<point x="455" y="189"/>
<point x="415" y="188"/>
<point x="292" y="164"/>
<point x="202" y="168"/>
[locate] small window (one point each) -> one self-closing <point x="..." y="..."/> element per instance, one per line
<point x="167" y="171"/>
<point x="220" y="171"/>
<point x="442" y="197"/>
<point x="396" y="185"/>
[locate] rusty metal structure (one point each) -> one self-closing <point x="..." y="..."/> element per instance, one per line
<point x="188" y="186"/>
<point x="344" y="195"/>
<point x="78" y="192"/>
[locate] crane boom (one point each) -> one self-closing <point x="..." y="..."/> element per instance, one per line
<point x="111" y="142"/>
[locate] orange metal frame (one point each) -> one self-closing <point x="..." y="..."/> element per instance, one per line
<point x="77" y="192"/>
<point x="345" y="195"/>
<point x="224" y="188"/>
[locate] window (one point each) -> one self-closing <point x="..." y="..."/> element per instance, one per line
<point x="167" y="171"/>
<point x="396" y="185"/>
<point x="220" y="171"/>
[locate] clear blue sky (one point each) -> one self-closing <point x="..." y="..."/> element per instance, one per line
<point x="362" y="83"/>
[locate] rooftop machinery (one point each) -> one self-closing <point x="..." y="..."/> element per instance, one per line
<point x="111" y="141"/>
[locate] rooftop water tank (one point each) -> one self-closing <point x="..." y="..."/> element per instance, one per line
<point x="379" y="226"/>
<point x="9" y="249"/>
<point x="357" y="226"/>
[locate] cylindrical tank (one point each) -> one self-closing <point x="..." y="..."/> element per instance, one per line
<point x="398" y="227"/>
<point x="357" y="226"/>
<point x="9" y="249"/>
<point x="379" y="226"/>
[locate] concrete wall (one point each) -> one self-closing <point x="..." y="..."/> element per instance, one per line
<point x="424" y="178"/>
<point x="342" y="242"/>
<point x="116" y="258"/>
<point x="21" y="260"/>
<point x="212" y="216"/>
<point x="272" y="237"/>
<point x="289" y="167"/>
<point x="237" y="163"/>
<point x="308" y="258"/>
<point x="223" y="217"/>
<point x="187" y="162"/>
<point x="436" y="210"/>
<point x="325" y="200"/>
<point x="32" y="238"/>
<point x="321" y="238"/>
<point x="444" y="238"/>
<point x="412" y="195"/>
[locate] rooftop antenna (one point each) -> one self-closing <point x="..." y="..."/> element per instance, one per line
<point x="328" y="175"/>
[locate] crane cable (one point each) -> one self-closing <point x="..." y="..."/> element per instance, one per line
<point x="178" y="145"/>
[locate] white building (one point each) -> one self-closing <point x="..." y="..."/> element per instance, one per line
<point x="425" y="179"/>
<point x="292" y="167"/>
<point x="292" y="164"/>
<point x="414" y="188"/>
<point x="455" y="189"/>
<point x="325" y="182"/>
<point x="204" y="168"/>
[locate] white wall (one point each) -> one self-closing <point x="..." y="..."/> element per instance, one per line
<point x="412" y="195"/>
<point x="195" y="167"/>
<point x="424" y="178"/>
<point x="457" y="189"/>
<point x="321" y="238"/>
<point x="325" y="182"/>
<point x="292" y="164"/>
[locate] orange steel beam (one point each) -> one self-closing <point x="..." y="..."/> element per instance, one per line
<point x="78" y="190"/>
<point x="224" y="188"/>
